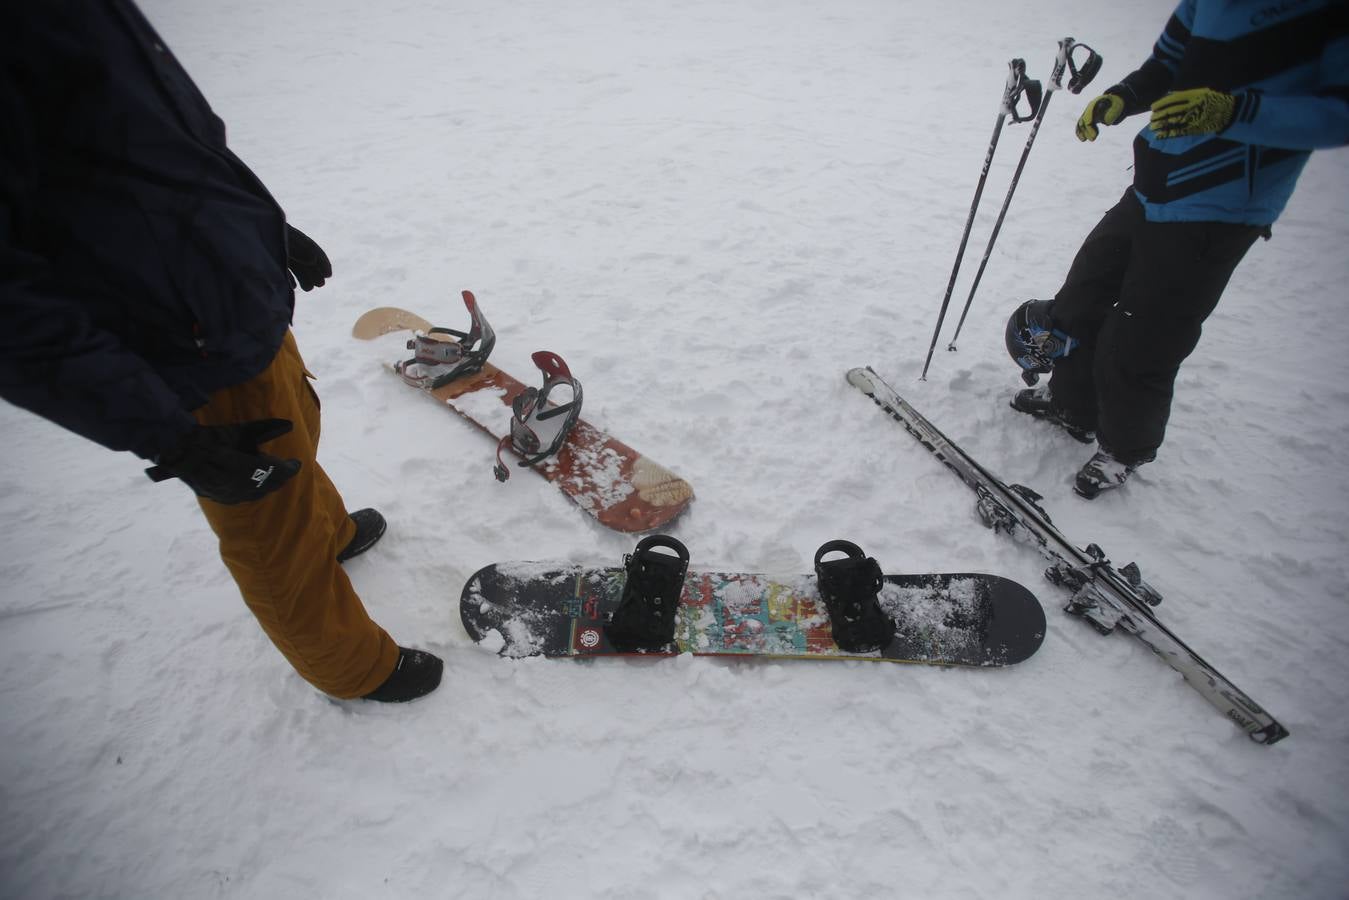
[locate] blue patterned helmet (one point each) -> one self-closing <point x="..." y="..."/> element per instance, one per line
<point x="1033" y="341"/>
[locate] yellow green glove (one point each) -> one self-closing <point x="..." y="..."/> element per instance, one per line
<point x="1192" y="112"/>
<point x="1104" y="110"/>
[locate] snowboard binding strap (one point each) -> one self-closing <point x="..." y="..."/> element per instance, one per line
<point x="538" y="430"/>
<point x="444" y="354"/>
<point x="645" y="618"/>
<point x="850" y="587"/>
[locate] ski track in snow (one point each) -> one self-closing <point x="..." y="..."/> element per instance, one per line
<point x="711" y="211"/>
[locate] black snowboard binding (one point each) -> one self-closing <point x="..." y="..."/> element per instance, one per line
<point x="849" y="587"/>
<point x="444" y="354"/>
<point x="645" y="618"/>
<point x="538" y="430"/>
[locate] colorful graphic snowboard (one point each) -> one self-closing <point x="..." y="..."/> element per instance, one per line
<point x="541" y="609"/>
<point x="618" y="486"/>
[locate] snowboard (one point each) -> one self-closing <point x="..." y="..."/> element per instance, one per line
<point x="617" y="485"/>
<point x="541" y="609"/>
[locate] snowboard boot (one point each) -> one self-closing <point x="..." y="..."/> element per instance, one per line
<point x="416" y="675"/>
<point x="645" y="618"/>
<point x="370" y="527"/>
<point x="849" y="587"/>
<point x="1103" y="473"/>
<point x="1037" y="402"/>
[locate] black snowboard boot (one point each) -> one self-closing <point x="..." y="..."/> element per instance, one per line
<point x="849" y="587"/>
<point x="416" y="675"/>
<point x="370" y="527"/>
<point x="1037" y="402"/>
<point x="645" y="618"/>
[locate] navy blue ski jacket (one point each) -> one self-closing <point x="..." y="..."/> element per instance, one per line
<point x="142" y="265"/>
<point x="1287" y="63"/>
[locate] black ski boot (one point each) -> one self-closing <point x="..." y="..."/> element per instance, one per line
<point x="849" y="587"/>
<point x="1038" y="402"/>
<point x="645" y="618"/>
<point x="1104" y="473"/>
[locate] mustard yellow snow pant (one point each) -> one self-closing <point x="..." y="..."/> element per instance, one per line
<point x="282" y="549"/>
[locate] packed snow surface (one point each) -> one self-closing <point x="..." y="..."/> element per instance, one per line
<point x="711" y="210"/>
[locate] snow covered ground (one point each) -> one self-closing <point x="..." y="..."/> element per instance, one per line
<point x="711" y="210"/>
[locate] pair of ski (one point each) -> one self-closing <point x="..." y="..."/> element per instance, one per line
<point x="1109" y="598"/>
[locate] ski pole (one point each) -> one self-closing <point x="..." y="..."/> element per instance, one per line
<point x="1080" y="77"/>
<point x="1016" y="86"/>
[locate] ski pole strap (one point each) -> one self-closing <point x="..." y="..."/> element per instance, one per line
<point x="537" y="429"/>
<point x="1019" y="88"/>
<point x="1080" y="70"/>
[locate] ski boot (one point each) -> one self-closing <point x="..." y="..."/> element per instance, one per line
<point x="1038" y="403"/>
<point x="1103" y="473"/>
<point x="849" y="587"/>
<point x="645" y="618"/>
<point x="537" y="429"/>
<point x="444" y="354"/>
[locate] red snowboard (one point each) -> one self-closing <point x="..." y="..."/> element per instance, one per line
<point x="617" y="485"/>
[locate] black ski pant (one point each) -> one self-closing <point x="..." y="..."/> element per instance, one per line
<point x="1136" y="297"/>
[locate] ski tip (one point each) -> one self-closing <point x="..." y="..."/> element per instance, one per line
<point x="863" y="378"/>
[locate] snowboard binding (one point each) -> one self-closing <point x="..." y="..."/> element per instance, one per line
<point x="444" y="354"/>
<point x="850" y="587"/>
<point x="538" y="430"/>
<point x="645" y="618"/>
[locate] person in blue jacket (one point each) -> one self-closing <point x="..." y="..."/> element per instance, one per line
<point x="1239" y="93"/>
<point x="146" y="292"/>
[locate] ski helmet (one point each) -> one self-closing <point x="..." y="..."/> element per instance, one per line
<point x="1033" y="341"/>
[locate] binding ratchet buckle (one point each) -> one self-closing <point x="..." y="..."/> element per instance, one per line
<point x="538" y="429"/>
<point x="444" y="354"/>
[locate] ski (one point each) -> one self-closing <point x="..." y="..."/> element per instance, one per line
<point x="1106" y="596"/>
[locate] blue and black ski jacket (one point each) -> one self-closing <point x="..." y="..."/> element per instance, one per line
<point x="142" y="265"/>
<point x="1286" y="62"/>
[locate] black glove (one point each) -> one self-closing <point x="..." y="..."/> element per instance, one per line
<point x="223" y="463"/>
<point x="306" y="259"/>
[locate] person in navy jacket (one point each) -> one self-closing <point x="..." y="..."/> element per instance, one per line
<point x="146" y="292"/>
<point x="1239" y="93"/>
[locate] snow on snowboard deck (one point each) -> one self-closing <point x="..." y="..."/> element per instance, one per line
<point x="611" y="481"/>
<point x="542" y="609"/>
